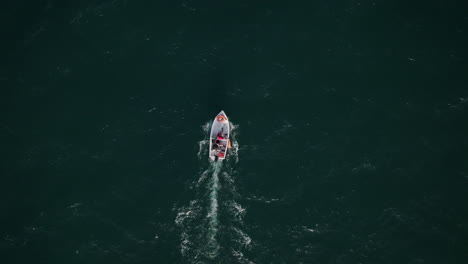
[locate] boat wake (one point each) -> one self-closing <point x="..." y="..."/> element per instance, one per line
<point x="212" y="243"/>
<point x="211" y="225"/>
<point x="203" y="144"/>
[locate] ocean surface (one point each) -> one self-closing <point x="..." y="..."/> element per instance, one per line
<point x="350" y="132"/>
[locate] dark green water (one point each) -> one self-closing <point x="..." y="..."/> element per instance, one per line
<point x="351" y="119"/>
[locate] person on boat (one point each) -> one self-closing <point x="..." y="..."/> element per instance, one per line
<point x="219" y="136"/>
<point x="218" y="145"/>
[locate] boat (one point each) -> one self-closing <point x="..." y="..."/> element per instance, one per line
<point x="219" y="137"/>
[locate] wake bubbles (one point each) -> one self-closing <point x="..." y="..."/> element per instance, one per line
<point x="203" y="237"/>
<point x="199" y="220"/>
<point x="213" y="246"/>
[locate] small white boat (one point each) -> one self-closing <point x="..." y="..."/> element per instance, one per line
<point x="219" y="137"/>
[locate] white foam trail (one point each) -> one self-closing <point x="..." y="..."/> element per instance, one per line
<point x="235" y="144"/>
<point x="186" y="216"/>
<point x="240" y="241"/>
<point x="238" y="212"/>
<point x="240" y="257"/>
<point x="206" y="127"/>
<point x="244" y="239"/>
<point x="213" y="245"/>
<point x="202" y="178"/>
<point x="203" y="144"/>
<point x="199" y="232"/>
<point x="235" y="150"/>
<point x="201" y="229"/>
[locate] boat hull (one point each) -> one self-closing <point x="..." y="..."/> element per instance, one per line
<point x="219" y="137"/>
